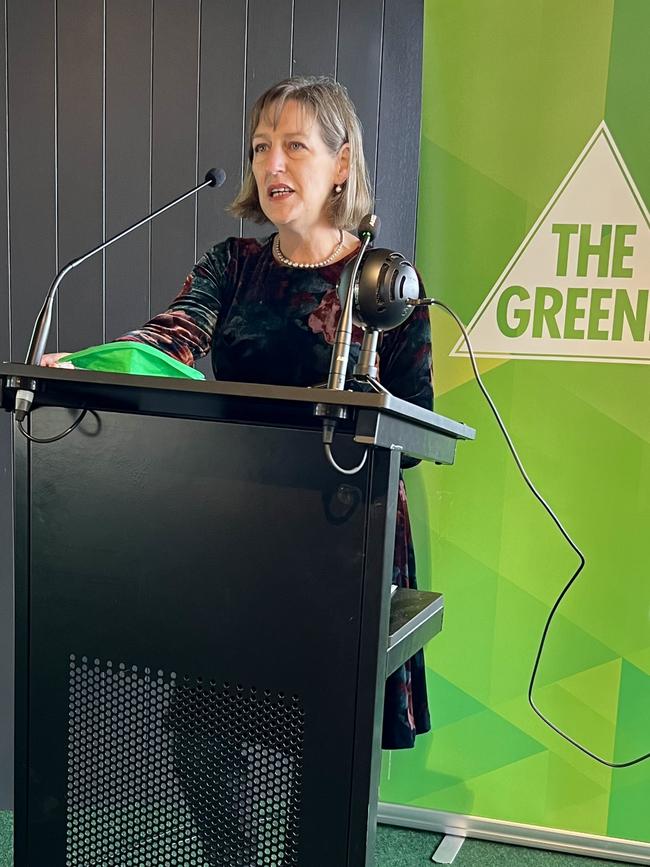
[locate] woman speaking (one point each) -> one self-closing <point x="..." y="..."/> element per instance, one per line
<point x="267" y="310"/>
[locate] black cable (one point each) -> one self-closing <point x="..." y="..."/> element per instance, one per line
<point x="568" y="539"/>
<point x="60" y="436"/>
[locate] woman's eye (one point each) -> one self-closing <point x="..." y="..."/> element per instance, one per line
<point x="259" y="148"/>
<point x="296" y="145"/>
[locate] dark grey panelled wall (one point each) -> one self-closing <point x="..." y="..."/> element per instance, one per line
<point x="113" y="107"/>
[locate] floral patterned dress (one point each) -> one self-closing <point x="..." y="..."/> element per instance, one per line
<point x="267" y="323"/>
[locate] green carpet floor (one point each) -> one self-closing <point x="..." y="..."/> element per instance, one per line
<point x="6" y="853"/>
<point x="397" y="847"/>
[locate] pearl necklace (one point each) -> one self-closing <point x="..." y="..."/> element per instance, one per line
<point x="285" y="260"/>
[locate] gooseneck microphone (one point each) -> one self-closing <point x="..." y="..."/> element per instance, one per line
<point x="368" y="231"/>
<point x="25" y="395"/>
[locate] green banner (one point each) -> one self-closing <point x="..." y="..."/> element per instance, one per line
<point x="533" y="226"/>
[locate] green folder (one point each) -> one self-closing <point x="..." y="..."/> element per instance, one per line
<point x="131" y="357"/>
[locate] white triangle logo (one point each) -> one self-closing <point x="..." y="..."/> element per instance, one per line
<point x="578" y="287"/>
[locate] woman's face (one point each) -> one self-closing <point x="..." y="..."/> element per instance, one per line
<point x="294" y="170"/>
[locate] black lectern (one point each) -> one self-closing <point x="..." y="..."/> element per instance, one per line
<point x="203" y="620"/>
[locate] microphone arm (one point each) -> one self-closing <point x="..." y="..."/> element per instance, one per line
<point x="341" y="351"/>
<point x="215" y="177"/>
<point x="25" y="396"/>
<point x="368" y="231"/>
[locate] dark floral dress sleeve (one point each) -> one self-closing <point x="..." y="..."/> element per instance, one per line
<point x="185" y="329"/>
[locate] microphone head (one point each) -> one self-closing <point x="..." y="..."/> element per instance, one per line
<point x="216" y="177"/>
<point x="385" y="291"/>
<point x="369" y="225"/>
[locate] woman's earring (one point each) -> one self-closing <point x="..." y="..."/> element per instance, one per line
<point x="338" y="188"/>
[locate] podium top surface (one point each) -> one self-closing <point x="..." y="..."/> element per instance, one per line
<point x="231" y="401"/>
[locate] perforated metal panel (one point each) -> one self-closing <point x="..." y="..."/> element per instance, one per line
<point x="179" y="770"/>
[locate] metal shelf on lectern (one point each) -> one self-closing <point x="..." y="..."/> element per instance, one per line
<point x="415" y="617"/>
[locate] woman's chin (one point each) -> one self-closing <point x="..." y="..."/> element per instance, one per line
<point x="279" y="214"/>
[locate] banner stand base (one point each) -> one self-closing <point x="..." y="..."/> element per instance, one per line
<point x="449" y="847"/>
<point x="457" y="825"/>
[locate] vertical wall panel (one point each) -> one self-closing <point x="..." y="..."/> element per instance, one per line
<point x="80" y="168"/>
<point x="221" y="119"/>
<point x="175" y="59"/>
<point x="398" y="152"/>
<point x="359" y="65"/>
<point x="30" y="83"/>
<point x="30" y="49"/>
<point x="128" y="145"/>
<point x="6" y="505"/>
<point x="4" y="249"/>
<point x="221" y="115"/>
<point x="6" y="614"/>
<point x="315" y="36"/>
<point x="270" y="32"/>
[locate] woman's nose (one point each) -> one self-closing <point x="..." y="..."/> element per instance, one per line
<point x="275" y="159"/>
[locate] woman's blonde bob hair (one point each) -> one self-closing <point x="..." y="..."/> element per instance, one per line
<point x="328" y="102"/>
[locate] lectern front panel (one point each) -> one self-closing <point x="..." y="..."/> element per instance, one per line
<point x="195" y="594"/>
